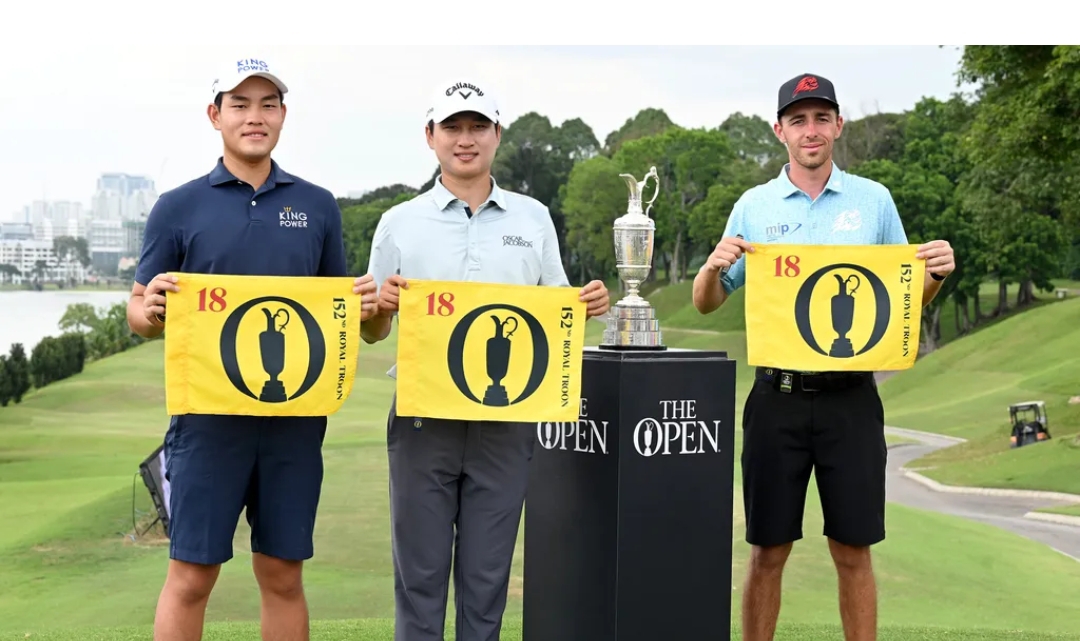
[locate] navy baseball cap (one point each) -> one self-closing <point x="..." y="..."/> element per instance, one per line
<point x="803" y="87"/>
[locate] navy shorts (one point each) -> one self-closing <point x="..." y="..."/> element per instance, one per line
<point x="219" y="465"/>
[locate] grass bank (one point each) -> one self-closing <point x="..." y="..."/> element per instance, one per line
<point x="69" y="452"/>
<point x="965" y="389"/>
<point x="382" y="630"/>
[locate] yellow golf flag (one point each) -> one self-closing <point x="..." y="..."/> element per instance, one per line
<point x="260" y="345"/>
<point x="833" y="307"/>
<point x="476" y="351"/>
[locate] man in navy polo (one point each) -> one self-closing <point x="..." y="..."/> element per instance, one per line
<point x="828" y="423"/>
<point x="246" y="217"/>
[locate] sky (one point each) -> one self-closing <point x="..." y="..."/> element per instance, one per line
<point x="355" y="113"/>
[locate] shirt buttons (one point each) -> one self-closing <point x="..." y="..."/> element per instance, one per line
<point x="253" y="203"/>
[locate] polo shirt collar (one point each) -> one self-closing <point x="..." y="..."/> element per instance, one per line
<point x="220" y="175"/>
<point x="443" y="197"/>
<point x="787" y="188"/>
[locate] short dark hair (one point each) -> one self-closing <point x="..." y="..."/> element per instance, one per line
<point x="431" y="123"/>
<point x="220" y="95"/>
<point x="780" y="116"/>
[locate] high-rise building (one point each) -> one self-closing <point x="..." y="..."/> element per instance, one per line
<point x="123" y="197"/>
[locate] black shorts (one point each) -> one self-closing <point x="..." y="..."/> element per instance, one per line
<point x="837" y="433"/>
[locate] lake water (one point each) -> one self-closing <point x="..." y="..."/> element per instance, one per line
<point x="27" y="316"/>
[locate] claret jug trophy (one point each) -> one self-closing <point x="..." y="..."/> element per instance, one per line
<point x="632" y="323"/>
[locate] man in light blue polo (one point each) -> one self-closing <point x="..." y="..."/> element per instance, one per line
<point x="457" y="487"/>
<point x="830" y="423"/>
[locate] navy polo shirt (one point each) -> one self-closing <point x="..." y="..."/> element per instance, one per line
<point x="218" y="224"/>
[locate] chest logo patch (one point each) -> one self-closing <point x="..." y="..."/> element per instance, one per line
<point x="289" y="218"/>
<point x="849" y="220"/>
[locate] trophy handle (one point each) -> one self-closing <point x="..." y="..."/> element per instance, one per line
<point x="857" y="283"/>
<point x="282" y="310"/>
<point x="656" y="192"/>
<point x="511" y="332"/>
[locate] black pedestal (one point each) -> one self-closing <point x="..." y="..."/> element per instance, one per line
<point x="628" y="527"/>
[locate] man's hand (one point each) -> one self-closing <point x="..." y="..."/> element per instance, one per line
<point x="939" y="257"/>
<point x="369" y="300"/>
<point x="154" y="298"/>
<point x="727" y="251"/>
<point x="595" y="297"/>
<point x="389" y="295"/>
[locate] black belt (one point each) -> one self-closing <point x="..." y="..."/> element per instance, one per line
<point x="790" y="380"/>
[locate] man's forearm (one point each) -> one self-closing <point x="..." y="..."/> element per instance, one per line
<point x="931" y="287"/>
<point x="376" y="328"/>
<point x="137" y="319"/>
<point x="709" y="294"/>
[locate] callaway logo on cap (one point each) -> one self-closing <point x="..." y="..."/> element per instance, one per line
<point x="803" y="87"/>
<point x="458" y="96"/>
<point x="237" y="71"/>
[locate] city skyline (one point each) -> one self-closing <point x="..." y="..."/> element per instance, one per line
<point x="354" y="126"/>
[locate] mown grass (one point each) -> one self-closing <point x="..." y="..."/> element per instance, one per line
<point x="73" y="570"/>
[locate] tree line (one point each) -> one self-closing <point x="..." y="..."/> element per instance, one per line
<point x="87" y="335"/>
<point x="993" y="172"/>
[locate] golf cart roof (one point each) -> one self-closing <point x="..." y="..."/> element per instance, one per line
<point x="1039" y="403"/>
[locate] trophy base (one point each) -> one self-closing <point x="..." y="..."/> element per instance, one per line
<point x="496" y="396"/>
<point x="273" y="392"/>
<point x="841" y="348"/>
<point x="632" y="327"/>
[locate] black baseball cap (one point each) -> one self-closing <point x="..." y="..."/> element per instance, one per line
<point x="803" y="87"/>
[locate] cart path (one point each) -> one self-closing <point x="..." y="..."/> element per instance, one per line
<point x="1006" y="512"/>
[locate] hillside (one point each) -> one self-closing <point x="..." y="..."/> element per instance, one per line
<point x="965" y="389"/>
<point x="68" y="454"/>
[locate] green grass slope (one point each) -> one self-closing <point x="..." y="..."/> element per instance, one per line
<point x="69" y="452"/>
<point x="966" y="387"/>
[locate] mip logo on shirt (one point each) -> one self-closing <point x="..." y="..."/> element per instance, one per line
<point x="778" y="231"/>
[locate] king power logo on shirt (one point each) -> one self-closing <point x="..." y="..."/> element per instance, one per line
<point x="289" y="218"/>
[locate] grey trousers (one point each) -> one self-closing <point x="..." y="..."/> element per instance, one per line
<point x="456" y="493"/>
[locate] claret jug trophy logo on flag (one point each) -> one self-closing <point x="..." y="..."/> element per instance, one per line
<point x="833" y="307"/>
<point x="260" y="345"/>
<point x="632" y="322"/>
<point x="479" y="351"/>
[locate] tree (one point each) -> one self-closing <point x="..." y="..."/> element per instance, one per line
<point x="1021" y="189"/>
<point x="647" y="122"/>
<point x="535" y="159"/>
<point x="689" y="163"/>
<point x="18" y="368"/>
<point x="7" y="386"/>
<point x="753" y="139"/>
<point x="592" y="198"/>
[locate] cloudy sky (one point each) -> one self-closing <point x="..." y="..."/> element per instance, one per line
<point x="355" y="118"/>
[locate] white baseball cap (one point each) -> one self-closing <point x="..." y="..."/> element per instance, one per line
<point x="237" y="71"/>
<point x="457" y="96"/>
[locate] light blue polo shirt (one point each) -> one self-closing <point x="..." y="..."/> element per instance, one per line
<point x="510" y="239"/>
<point x="851" y="210"/>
